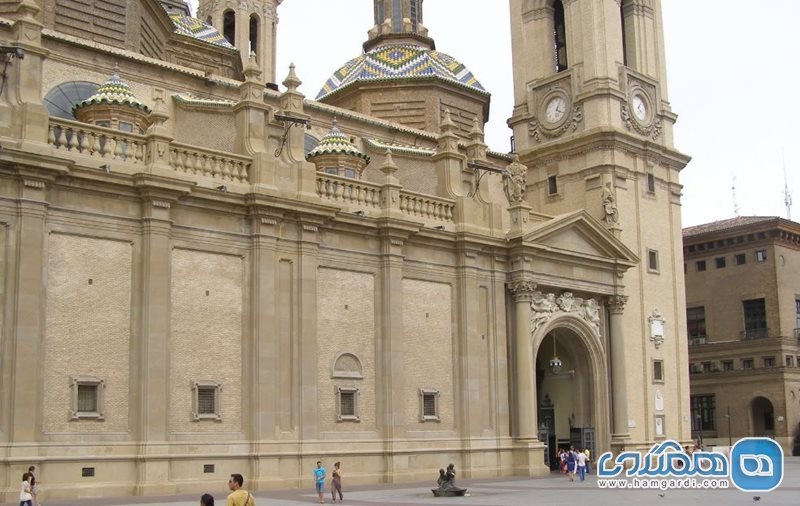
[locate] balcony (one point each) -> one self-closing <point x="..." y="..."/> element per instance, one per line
<point x="749" y="335"/>
<point x="695" y="340"/>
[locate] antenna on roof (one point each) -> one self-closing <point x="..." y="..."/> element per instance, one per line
<point x="787" y="197"/>
<point x="735" y="202"/>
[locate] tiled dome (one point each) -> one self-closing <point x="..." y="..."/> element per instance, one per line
<point x="113" y="91"/>
<point x="399" y="62"/>
<point x="336" y="143"/>
<point x="196" y="29"/>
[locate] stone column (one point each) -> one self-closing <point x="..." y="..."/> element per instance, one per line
<point x="526" y="369"/>
<point x="616" y="305"/>
<point x="264" y="347"/>
<point x="153" y="349"/>
<point x="308" y="263"/>
<point x="390" y="352"/>
<point x="28" y="310"/>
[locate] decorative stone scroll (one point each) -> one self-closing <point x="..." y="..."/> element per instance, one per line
<point x="657" y="322"/>
<point x="545" y="306"/>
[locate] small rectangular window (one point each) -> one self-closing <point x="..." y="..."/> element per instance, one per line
<point x="552" y="185"/>
<point x="651" y="183"/>
<point x="206" y="401"/>
<point x="769" y="362"/>
<point x="429" y="405"/>
<point x="761" y="255"/>
<point x="208" y="468"/>
<point x="696" y="322"/>
<point x="727" y="365"/>
<point x="747" y="363"/>
<point x="87" y="398"/>
<point x="347" y="404"/>
<point x="707" y="367"/>
<point x="701" y="265"/>
<point x="720" y="262"/>
<point x="87" y="472"/>
<point x="740" y="258"/>
<point x="652" y="260"/>
<point x="658" y="370"/>
<point x="789" y="361"/>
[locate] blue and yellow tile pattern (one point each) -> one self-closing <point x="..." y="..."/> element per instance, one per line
<point x="196" y="29"/>
<point x="398" y="62"/>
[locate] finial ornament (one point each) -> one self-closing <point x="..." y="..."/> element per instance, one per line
<point x="292" y="82"/>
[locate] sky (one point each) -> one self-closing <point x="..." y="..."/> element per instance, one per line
<point x="732" y="67"/>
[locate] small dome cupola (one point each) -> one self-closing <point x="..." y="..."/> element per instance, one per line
<point x="335" y="154"/>
<point x="114" y="106"/>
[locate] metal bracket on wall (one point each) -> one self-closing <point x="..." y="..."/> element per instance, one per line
<point x="481" y="170"/>
<point x="289" y="122"/>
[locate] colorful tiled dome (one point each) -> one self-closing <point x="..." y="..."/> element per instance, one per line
<point x="336" y="143"/>
<point x="398" y="62"/>
<point x="113" y="91"/>
<point x="196" y="29"/>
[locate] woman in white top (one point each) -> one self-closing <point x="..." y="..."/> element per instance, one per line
<point x="25" y="497"/>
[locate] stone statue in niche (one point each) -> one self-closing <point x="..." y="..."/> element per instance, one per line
<point x="447" y="484"/>
<point x="657" y="322"/>
<point x="515" y="182"/>
<point x="610" y="213"/>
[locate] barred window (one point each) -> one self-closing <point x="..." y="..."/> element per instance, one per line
<point x="347" y="404"/>
<point x="87" y="398"/>
<point x="206" y="400"/>
<point x="429" y="405"/>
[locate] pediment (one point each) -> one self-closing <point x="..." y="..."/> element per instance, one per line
<point x="578" y="234"/>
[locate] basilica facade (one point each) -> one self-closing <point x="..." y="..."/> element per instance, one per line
<point x="204" y="272"/>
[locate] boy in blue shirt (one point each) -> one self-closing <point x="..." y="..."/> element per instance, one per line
<point x="319" y="477"/>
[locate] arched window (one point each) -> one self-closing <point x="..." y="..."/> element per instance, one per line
<point x="253" y="35"/>
<point x="414" y="14"/>
<point x="397" y="16"/>
<point x="60" y="100"/>
<point x="560" y="36"/>
<point x="380" y="14"/>
<point x="229" y="27"/>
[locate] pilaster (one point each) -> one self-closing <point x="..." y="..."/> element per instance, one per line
<point x="308" y="264"/>
<point x="28" y="307"/>
<point x="157" y="196"/>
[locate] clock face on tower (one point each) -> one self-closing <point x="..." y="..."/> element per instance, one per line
<point x="639" y="107"/>
<point x="555" y="109"/>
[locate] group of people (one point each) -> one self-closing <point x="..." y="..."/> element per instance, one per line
<point x="574" y="461"/>
<point x="28" y="490"/>
<point x="241" y="497"/>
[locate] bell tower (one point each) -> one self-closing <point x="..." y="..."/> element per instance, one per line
<point x="398" y="21"/>
<point x="249" y="26"/>
<point x="593" y="124"/>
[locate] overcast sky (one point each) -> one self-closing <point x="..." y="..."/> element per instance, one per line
<point x="733" y="69"/>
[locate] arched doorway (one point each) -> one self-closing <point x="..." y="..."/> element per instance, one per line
<point x="762" y="417"/>
<point x="570" y="387"/>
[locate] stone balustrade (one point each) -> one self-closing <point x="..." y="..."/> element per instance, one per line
<point x="426" y="206"/>
<point x="350" y="191"/>
<point x="96" y="141"/>
<point x="209" y="163"/>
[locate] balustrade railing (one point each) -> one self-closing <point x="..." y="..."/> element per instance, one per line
<point x="347" y="190"/>
<point x="208" y="163"/>
<point x="426" y="206"/>
<point x="95" y="141"/>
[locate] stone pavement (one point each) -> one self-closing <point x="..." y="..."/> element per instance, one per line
<point x="553" y="490"/>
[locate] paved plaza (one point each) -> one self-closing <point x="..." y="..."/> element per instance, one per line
<point x="551" y="490"/>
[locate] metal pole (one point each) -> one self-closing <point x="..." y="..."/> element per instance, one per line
<point x="728" y="416"/>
